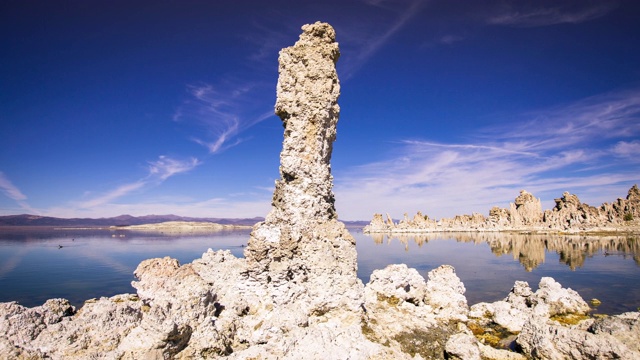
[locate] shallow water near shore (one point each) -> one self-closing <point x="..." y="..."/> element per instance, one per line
<point x="39" y="264"/>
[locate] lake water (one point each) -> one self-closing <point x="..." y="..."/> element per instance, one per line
<point x="38" y="264"/>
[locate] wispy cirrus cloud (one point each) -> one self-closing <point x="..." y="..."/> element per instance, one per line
<point x="521" y="14"/>
<point x="450" y="39"/>
<point x="10" y="190"/>
<point x="598" y="119"/>
<point x="361" y="38"/>
<point x="366" y="43"/>
<point x="223" y="111"/>
<point x="583" y="147"/>
<point x="112" y="195"/>
<point x="13" y="193"/>
<point x="158" y="171"/>
<point x="165" y="167"/>
<point x="627" y="149"/>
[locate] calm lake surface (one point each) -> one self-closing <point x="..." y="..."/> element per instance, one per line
<point x="39" y="264"/>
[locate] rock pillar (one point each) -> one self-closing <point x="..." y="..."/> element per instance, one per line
<point x="301" y="248"/>
<point x="526" y="211"/>
<point x="307" y="102"/>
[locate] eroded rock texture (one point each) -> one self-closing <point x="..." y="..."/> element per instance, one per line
<point x="301" y="240"/>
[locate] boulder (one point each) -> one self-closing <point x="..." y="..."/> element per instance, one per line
<point x="624" y="327"/>
<point x="462" y="346"/>
<point x="558" y="300"/>
<point x="445" y="294"/>
<point x="542" y="338"/>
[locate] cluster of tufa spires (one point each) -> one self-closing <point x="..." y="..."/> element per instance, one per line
<point x="525" y="214"/>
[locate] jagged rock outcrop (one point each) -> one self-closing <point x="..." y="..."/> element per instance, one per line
<point x="569" y="213"/>
<point x="525" y="214"/>
<point x="296" y="293"/>
<point x="404" y="311"/>
<point x="548" y="339"/>
<point x="525" y="210"/>
<point x="551" y="324"/>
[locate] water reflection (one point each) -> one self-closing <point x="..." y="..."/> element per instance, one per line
<point x="101" y="263"/>
<point x="37" y="264"/>
<point x="603" y="267"/>
<point x="530" y="249"/>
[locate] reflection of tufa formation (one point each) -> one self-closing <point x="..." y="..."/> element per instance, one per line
<point x="526" y="214"/>
<point x="530" y="249"/>
<point x="296" y="295"/>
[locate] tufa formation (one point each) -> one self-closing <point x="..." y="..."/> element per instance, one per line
<point x="525" y="214"/>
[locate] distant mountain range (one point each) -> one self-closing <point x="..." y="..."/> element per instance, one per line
<point x="36" y="220"/>
<point x="122" y="220"/>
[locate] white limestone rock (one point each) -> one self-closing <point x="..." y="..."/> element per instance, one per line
<point x="526" y="210"/>
<point x="501" y="313"/>
<point x="510" y="313"/>
<point x="94" y="330"/>
<point x="377" y="225"/>
<point x="489" y="353"/>
<point x="542" y="338"/>
<point x="462" y="346"/>
<point x="394" y="302"/>
<point x="399" y="282"/>
<point x="624" y="327"/>
<point x="25" y="324"/>
<point x="558" y="299"/>
<point x="445" y="294"/>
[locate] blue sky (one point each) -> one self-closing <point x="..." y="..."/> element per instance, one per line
<point x="448" y="107"/>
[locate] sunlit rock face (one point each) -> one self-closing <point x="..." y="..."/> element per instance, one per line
<point x="526" y="210"/>
<point x="301" y="243"/>
<point x="307" y="95"/>
<point x="300" y="282"/>
<point x="307" y="102"/>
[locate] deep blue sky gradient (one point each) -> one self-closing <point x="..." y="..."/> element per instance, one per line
<point x="448" y="107"/>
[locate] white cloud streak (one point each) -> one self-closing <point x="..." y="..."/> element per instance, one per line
<point x="551" y="15"/>
<point x="556" y="152"/>
<point x="165" y="167"/>
<point x="597" y="118"/>
<point x="364" y="50"/>
<point x="114" y="194"/>
<point x="223" y="113"/>
<point x="10" y="190"/>
<point x="158" y="171"/>
<point x="628" y="150"/>
<point x="13" y="193"/>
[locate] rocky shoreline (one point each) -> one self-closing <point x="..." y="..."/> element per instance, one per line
<point x="525" y="215"/>
<point x="175" y="314"/>
<point x="296" y="293"/>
